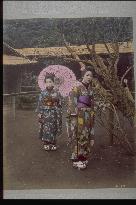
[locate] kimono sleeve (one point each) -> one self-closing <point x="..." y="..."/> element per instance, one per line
<point x="72" y="101"/>
<point x="92" y="115"/>
<point x="59" y="114"/>
<point x="60" y="102"/>
<point x="93" y="100"/>
<point x="39" y="105"/>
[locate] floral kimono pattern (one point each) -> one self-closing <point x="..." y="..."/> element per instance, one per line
<point x="50" y="108"/>
<point x="80" y="121"/>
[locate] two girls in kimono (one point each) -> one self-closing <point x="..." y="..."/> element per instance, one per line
<point x="80" y="116"/>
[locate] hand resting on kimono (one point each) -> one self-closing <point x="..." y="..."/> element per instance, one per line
<point x="69" y="115"/>
<point x="39" y="115"/>
<point x="40" y="118"/>
<point x="73" y="115"/>
<point x="92" y="143"/>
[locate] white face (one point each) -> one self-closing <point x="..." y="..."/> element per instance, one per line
<point x="88" y="77"/>
<point x="49" y="83"/>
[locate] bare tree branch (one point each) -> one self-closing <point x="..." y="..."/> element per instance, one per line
<point x="120" y="97"/>
<point x="18" y="53"/>
<point x="107" y="48"/>
<point x="72" y="53"/>
<point x="125" y="74"/>
<point x="79" y="60"/>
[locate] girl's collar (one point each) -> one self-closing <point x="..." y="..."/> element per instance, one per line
<point x="86" y="85"/>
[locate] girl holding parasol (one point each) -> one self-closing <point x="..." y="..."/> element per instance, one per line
<point x="55" y="82"/>
<point x="49" y="113"/>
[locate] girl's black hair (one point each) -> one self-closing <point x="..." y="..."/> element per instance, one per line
<point x="82" y="73"/>
<point x="49" y="76"/>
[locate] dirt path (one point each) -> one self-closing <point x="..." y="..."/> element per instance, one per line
<point x="28" y="166"/>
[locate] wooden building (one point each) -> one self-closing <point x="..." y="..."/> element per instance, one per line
<point x="14" y="65"/>
<point x="17" y="62"/>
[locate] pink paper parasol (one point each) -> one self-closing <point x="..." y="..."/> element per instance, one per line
<point x="64" y="78"/>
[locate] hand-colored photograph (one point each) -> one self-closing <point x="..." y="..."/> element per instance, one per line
<point x="69" y="114"/>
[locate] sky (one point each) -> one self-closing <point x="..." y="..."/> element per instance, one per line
<point x="66" y="9"/>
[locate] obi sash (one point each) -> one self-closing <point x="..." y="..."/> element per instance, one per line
<point x="84" y="101"/>
<point x="48" y="101"/>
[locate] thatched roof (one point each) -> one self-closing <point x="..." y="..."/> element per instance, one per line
<point x="14" y="60"/>
<point x="21" y="56"/>
<point x="125" y="47"/>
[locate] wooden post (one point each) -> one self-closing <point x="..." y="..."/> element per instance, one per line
<point x="111" y="127"/>
<point x="134" y="123"/>
<point x="14" y="106"/>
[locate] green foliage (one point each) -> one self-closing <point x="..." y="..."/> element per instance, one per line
<point x="77" y="31"/>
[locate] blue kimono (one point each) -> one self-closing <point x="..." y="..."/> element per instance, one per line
<point x="50" y="108"/>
